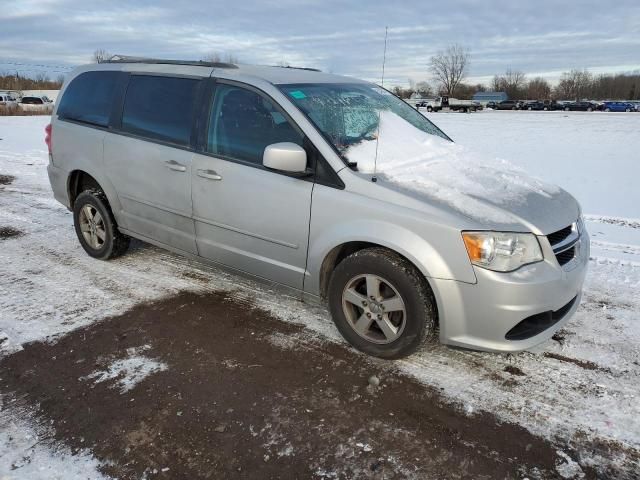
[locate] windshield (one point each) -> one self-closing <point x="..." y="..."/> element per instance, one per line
<point x="349" y="113"/>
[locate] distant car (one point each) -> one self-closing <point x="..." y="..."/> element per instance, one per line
<point x="39" y="103"/>
<point x="506" y="105"/>
<point x="580" y="107"/>
<point x="7" y="100"/>
<point x="553" y="105"/>
<point x="535" y="105"/>
<point x="618" y="107"/>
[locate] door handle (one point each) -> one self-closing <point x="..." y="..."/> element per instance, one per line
<point x="173" y="165"/>
<point x="209" y="174"/>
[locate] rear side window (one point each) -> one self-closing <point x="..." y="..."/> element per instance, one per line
<point x="160" y="107"/>
<point x="89" y="98"/>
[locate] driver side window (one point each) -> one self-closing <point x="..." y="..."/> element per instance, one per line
<point x="243" y="123"/>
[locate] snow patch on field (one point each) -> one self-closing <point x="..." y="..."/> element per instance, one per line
<point x="443" y="170"/>
<point x="129" y="371"/>
<point x="26" y="451"/>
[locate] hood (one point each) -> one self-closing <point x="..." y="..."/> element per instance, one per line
<point x="493" y="193"/>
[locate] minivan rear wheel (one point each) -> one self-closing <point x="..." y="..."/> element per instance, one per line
<point x="96" y="228"/>
<point x="382" y="304"/>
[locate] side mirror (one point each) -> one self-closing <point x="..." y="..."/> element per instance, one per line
<point x="286" y="157"/>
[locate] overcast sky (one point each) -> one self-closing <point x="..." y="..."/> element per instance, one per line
<point x="541" y="37"/>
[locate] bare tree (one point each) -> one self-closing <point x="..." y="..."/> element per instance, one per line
<point x="465" y="91"/>
<point x="42" y="77"/>
<point x="424" y="89"/>
<point x="512" y="82"/>
<point x="497" y="84"/>
<point x="100" y="55"/>
<point x="538" y="89"/>
<point x="575" y="85"/>
<point x="402" y="92"/>
<point x="449" y="67"/>
<point x="217" y="57"/>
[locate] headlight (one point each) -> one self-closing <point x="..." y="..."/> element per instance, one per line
<point x="502" y="251"/>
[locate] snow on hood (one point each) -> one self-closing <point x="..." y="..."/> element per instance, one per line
<point x="479" y="187"/>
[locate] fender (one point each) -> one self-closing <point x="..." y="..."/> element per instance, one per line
<point x="403" y="241"/>
<point x="84" y="153"/>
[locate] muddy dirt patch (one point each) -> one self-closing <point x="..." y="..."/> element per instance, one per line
<point x="195" y="384"/>
<point x="514" y="371"/>
<point x="6" y="179"/>
<point x="585" y="364"/>
<point x="9" y="232"/>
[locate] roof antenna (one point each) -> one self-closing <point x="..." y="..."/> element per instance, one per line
<point x="374" y="178"/>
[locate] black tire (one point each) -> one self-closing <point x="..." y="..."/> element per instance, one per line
<point x="429" y="109"/>
<point x="420" y="319"/>
<point x="114" y="243"/>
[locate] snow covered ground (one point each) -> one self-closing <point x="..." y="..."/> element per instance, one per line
<point x="580" y="390"/>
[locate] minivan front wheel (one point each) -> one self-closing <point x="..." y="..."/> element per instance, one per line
<point x="382" y="304"/>
<point x="96" y="228"/>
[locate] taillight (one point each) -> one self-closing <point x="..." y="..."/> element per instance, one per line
<point x="47" y="136"/>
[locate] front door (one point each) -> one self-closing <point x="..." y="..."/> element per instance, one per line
<point x="149" y="163"/>
<point x="246" y="216"/>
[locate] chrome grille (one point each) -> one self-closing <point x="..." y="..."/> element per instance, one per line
<point x="563" y="242"/>
<point x="560" y="235"/>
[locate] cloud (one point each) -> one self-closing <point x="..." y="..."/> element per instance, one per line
<point x="544" y="36"/>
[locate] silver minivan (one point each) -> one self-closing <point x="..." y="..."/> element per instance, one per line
<point x="328" y="186"/>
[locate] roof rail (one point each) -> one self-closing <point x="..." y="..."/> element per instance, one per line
<point x="300" y="68"/>
<point x="197" y="63"/>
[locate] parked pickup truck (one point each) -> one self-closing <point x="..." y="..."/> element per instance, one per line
<point x="447" y="103"/>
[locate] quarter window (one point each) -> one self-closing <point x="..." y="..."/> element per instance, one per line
<point x="243" y="123"/>
<point x="89" y="98"/>
<point x="160" y="107"/>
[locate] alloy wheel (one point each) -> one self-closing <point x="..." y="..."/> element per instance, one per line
<point x="92" y="227"/>
<point x="374" y="308"/>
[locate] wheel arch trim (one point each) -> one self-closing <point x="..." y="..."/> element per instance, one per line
<point x="402" y="241"/>
<point x="104" y="184"/>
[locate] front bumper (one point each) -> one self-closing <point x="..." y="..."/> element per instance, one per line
<point x="480" y="315"/>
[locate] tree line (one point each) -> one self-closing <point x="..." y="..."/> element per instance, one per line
<point x="450" y="67"/>
<point x="19" y="82"/>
